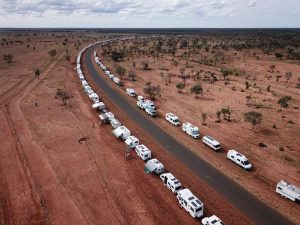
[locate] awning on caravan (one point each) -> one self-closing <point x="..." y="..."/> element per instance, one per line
<point x="150" y="166"/>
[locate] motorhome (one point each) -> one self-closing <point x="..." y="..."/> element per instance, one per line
<point x="171" y="182"/>
<point x="111" y="76"/>
<point x="149" y="103"/>
<point x="141" y="104"/>
<point x="118" y="81"/>
<point x="107" y="72"/>
<point x="191" y="130"/>
<point x="213" y="220"/>
<point x="190" y="203"/>
<point x="143" y="152"/>
<point x="115" y="123"/>
<point x="140" y="98"/>
<point x="132" y="142"/>
<point x="215" y="145"/>
<point x="130" y="92"/>
<point x="239" y="159"/>
<point x="289" y="191"/>
<point x="121" y="132"/>
<point x="173" y="119"/>
<point x="98" y="105"/>
<point x="153" y="165"/>
<point x="149" y="110"/>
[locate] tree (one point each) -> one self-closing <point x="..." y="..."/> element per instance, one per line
<point x="180" y="87"/>
<point x="63" y="95"/>
<point x="226" y="113"/>
<point x="152" y="90"/>
<point x="218" y="113"/>
<point x="253" y="117"/>
<point x="225" y="72"/>
<point x="197" y="89"/>
<point x="278" y="55"/>
<point x="284" y="101"/>
<point x="37" y="73"/>
<point x="117" y="56"/>
<point x="204" y="116"/>
<point x="120" y="71"/>
<point x="52" y="52"/>
<point x="8" y="58"/>
<point x="132" y="75"/>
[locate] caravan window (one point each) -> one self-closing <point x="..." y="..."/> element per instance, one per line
<point x="199" y="209"/>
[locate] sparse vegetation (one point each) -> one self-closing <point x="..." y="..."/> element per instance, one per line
<point x="197" y="89"/>
<point x="152" y="90"/>
<point x="283" y="102"/>
<point x="253" y="117"/>
<point x="8" y="58"/>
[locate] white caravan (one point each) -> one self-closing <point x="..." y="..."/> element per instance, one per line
<point x="153" y="165"/>
<point x="121" y="132"/>
<point x="86" y="88"/>
<point x="107" y="72"/>
<point x="98" y="105"/>
<point x="173" y="119"/>
<point x="213" y="220"/>
<point x="94" y="97"/>
<point x="171" y="182"/>
<point x="152" y="112"/>
<point x="111" y="76"/>
<point x="141" y="104"/>
<point x="117" y="81"/>
<point x="84" y="83"/>
<point x="239" y="159"/>
<point x="215" y="145"/>
<point x="289" y="191"/>
<point x="191" y="130"/>
<point x="132" y="142"/>
<point x="130" y="92"/>
<point x="140" y="98"/>
<point x="115" y="123"/>
<point x="190" y="203"/>
<point x="106" y="117"/>
<point x="143" y="152"/>
<point x="149" y="103"/>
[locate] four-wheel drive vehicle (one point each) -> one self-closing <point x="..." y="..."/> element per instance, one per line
<point x="190" y="203"/>
<point x="215" y="145"/>
<point x="289" y="191"/>
<point x="239" y="159"/>
<point x="171" y="182"/>
<point x="191" y="130"/>
<point x="213" y="220"/>
<point x="173" y="119"/>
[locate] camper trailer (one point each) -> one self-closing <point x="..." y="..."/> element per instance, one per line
<point x="84" y="83"/>
<point x="289" y="191"/>
<point x="115" y="123"/>
<point x="239" y="159"/>
<point x="141" y="104"/>
<point x="190" y="203"/>
<point x="98" y="105"/>
<point x="132" y="142"/>
<point x="215" y="145"/>
<point x="107" y="72"/>
<point x="121" y="132"/>
<point x="94" y="97"/>
<point x="106" y="117"/>
<point x="117" y="81"/>
<point x="171" y="182"/>
<point x="130" y="92"/>
<point x="153" y="165"/>
<point x="191" y="130"/>
<point x="143" y="152"/>
<point x="173" y="119"/>
<point x="213" y="220"/>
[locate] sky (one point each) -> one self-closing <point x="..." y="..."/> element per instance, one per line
<point x="150" y="13"/>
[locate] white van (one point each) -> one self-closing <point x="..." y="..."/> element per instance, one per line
<point x="213" y="220"/>
<point x="171" y="182"/>
<point x="130" y="92"/>
<point x="153" y="165"/>
<point x="173" y="119"/>
<point x="143" y="152"/>
<point x="289" y="191"/>
<point x="215" y="145"/>
<point x="121" y="132"/>
<point x="190" y="203"/>
<point x="239" y="159"/>
<point x="132" y="142"/>
<point x="191" y="130"/>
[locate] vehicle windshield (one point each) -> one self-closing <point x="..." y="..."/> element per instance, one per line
<point x="195" y="132"/>
<point x="217" y="146"/>
<point x="246" y="162"/>
<point x="178" y="188"/>
<point x="199" y="209"/>
<point x="176" y="120"/>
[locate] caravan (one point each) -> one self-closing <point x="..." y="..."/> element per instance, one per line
<point x="132" y="142"/>
<point x="130" y="92"/>
<point x="121" y="132"/>
<point x="215" y="145"/>
<point x="171" y="182"/>
<point x="213" y="220"/>
<point x="289" y="191"/>
<point x="190" y="203"/>
<point x="153" y="165"/>
<point x="98" y="105"/>
<point x="143" y="152"/>
<point x="115" y="123"/>
<point x="191" y="130"/>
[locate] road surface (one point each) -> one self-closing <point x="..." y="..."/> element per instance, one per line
<point x="248" y="204"/>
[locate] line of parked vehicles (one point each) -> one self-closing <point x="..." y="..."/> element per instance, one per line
<point x="185" y="197"/>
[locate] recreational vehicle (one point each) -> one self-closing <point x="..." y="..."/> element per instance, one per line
<point x="289" y="191"/>
<point x="140" y="98"/>
<point x="132" y="142"/>
<point x="115" y="123"/>
<point x="215" y="145"/>
<point x="121" y="132"/>
<point x="130" y="92"/>
<point x="149" y="110"/>
<point x="171" y="182"/>
<point x="173" y="119"/>
<point x="143" y="152"/>
<point x="239" y="159"/>
<point x="153" y="165"/>
<point x="191" y="130"/>
<point x="98" y="105"/>
<point x="190" y="203"/>
<point x="117" y="81"/>
<point x="107" y="72"/>
<point x="213" y="220"/>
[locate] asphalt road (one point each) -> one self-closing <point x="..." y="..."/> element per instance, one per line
<point x="248" y="204"/>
